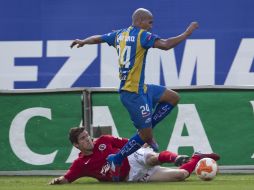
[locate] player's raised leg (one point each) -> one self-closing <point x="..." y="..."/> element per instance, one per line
<point x="140" y="114"/>
<point x="164" y="100"/>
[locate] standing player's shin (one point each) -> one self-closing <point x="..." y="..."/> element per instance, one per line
<point x="167" y="102"/>
<point x="161" y="111"/>
<point x="163" y="99"/>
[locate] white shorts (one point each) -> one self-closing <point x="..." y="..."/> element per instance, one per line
<point x="139" y="170"/>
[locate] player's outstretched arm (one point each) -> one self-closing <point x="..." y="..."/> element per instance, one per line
<point x="58" y="180"/>
<point x="90" y="40"/>
<point x="166" y="44"/>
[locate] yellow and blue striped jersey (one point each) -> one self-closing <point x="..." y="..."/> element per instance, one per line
<point x="132" y="45"/>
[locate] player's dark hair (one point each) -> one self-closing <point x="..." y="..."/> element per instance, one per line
<point x="74" y="133"/>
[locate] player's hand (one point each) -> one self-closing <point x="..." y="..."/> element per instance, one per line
<point x="78" y="42"/>
<point x="193" y="26"/>
<point x="58" y="180"/>
<point x="55" y="181"/>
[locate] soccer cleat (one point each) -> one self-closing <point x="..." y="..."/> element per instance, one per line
<point x="211" y="155"/>
<point x="114" y="168"/>
<point x="154" y="145"/>
<point x="181" y="159"/>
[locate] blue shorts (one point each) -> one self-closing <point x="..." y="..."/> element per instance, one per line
<point x="140" y="106"/>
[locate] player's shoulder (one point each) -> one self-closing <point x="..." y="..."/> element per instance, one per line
<point x="120" y="31"/>
<point x="147" y="36"/>
<point x="146" y="33"/>
<point x="106" y="138"/>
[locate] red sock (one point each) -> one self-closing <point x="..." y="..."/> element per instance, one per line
<point x="166" y="156"/>
<point x="190" y="166"/>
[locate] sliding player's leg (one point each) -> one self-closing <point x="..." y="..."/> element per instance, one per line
<point x="168" y="174"/>
<point x="190" y="166"/>
<point x="144" y="166"/>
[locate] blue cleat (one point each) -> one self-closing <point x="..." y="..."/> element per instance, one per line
<point x="114" y="168"/>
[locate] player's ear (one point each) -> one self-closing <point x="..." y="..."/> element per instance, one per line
<point x="140" y="21"/>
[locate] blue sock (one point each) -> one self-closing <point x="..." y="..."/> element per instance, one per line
<point x="161" y="111"/>
<point x="131" y="146"/>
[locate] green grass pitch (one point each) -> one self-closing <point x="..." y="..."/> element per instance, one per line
<point x="221" y="182"/>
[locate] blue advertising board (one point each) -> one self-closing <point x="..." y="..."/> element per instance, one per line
<point x="35" y="36"/>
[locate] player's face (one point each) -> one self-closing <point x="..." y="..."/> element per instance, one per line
<point x="147" y="23"/>
<point x="85" y="142"/>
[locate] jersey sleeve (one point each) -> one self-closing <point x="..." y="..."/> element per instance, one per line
<point x="116" y="142"/>
<point x="147" y="39"/>
<point x="110" y="38"/>
<point x="74" y="172"/>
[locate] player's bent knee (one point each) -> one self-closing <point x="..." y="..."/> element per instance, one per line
<point x="180" y="176"/>
<point x="171" y="97"/>
<point x="176" y="97"/>
<point x="185" y="174"/>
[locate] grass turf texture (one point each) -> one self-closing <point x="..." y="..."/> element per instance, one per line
<point x="222" y="181"/>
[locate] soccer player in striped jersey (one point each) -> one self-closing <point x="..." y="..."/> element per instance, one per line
<point x="147" y="104"/>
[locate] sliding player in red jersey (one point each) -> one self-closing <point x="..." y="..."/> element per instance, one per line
<point x="142" y="165"/>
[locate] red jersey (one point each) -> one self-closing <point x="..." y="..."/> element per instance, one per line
<point x="96" y="165"/>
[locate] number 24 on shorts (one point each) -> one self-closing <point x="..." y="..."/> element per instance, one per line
<point x="145" y="111"/>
